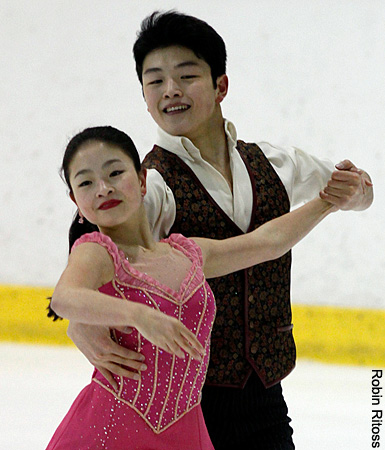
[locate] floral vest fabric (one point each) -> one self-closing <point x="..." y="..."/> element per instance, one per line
<point x="253" y="325"/>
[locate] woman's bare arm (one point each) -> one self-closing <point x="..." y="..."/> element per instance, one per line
<point x="270" y="241"/>
<point x="76" y="298"/>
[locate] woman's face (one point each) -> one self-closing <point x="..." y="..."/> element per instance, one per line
<point x="105" y="185"/>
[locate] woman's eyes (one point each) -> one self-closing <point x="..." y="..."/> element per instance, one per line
<point x="84" y="183"/>
<point x="114" y="173"/>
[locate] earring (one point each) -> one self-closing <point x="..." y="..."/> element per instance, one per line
<point x="81" y="218"/>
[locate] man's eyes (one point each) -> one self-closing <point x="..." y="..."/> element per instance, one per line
<point x="115" y="173"/>
<point x="182" y="77"/>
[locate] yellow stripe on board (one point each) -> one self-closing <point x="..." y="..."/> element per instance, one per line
<point x="23" y="317"/>
<point x="340" y="335"/>
<point x="325" y="333"/>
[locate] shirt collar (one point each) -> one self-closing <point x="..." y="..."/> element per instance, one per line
<point x="183" y="147"/>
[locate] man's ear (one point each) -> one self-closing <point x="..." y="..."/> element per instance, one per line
<point x="222" y="88"/>
<point x="144" y="98"/>
<point x="143" y="180"/>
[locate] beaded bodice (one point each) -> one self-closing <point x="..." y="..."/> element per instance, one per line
<point x="171" y="386"/>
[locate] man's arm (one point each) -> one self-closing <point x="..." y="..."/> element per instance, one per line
<point x="97" y="345"/>
<point x="305" y="176"/>
<point x="349" y="188"/>
<point x="160" y="205"/>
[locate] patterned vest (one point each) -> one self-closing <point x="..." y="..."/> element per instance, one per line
<point x="252" y="329"/>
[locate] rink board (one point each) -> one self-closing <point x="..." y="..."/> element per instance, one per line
<point x="323" y="333"/>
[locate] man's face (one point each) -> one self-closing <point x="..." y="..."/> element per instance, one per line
<point x="179" y="92"/>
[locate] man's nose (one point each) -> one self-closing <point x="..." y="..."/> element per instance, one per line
<point x="172" y="89"/>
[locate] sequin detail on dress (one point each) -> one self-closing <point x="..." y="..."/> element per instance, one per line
<point x="171" y="387"/>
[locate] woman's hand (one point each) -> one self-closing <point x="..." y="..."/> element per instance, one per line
<point x="167" y="333"/>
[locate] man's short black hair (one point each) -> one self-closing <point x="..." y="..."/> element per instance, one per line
<point x="160" y="30"/>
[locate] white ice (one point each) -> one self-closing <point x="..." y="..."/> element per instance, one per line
<point x="330" y="405"/>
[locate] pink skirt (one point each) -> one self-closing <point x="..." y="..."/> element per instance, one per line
<point x="97" y="420"/>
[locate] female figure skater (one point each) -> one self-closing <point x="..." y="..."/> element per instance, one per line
<point x="120" y="277"/>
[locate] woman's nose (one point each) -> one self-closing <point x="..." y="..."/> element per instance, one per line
<point x="104" y="188"/>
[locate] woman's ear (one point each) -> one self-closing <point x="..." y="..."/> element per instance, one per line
<point x="72" y="197"/>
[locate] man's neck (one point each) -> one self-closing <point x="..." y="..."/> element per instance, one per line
<point x="214" y="150"/>
<point x="212" y="143"/>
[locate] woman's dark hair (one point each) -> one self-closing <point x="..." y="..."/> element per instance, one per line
<point x="160" y="30"/>
<point x="106" y="134"/>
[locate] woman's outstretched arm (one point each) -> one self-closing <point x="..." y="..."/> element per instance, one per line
<point x="270" y="241"/>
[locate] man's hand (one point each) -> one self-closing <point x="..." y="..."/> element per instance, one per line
<point x="349" y="188"/>
<point x="107" y="356"/>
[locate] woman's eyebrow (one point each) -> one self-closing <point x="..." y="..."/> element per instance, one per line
<point x="110" y="161"/>
<point x="106" y="164"/>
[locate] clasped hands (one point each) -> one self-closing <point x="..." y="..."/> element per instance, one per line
<point x="349" y="188"/>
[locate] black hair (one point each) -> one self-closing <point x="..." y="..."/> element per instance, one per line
<point x="106" y="134"/>
<point x="160" y="30"/>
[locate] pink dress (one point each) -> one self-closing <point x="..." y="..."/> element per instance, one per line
<point x="162" y="410"/>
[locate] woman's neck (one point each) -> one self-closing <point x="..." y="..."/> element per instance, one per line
<point x="133" y="233"/>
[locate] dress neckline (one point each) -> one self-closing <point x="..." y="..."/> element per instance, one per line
<point x="153" y="282"/>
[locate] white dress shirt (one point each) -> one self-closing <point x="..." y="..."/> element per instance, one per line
<point x="302" y="175"/>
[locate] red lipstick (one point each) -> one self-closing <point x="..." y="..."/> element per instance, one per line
<point x="110" y="204"/>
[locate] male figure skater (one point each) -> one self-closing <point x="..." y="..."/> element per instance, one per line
<point x="203" y="181"/>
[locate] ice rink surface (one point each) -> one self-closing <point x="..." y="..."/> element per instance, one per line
<point x="330" y="405"/>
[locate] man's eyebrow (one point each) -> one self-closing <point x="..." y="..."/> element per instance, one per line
<point x="186" y="64"/>
<point x="152" y="70"/>
<point x="178" y="66"/>
<point x="106" y="164"/>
